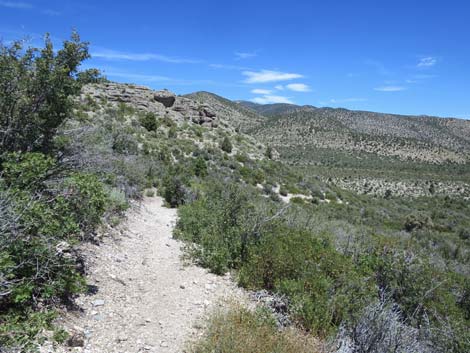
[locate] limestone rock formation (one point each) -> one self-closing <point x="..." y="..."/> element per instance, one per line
<point x="165" y="97"/>
<point x="162" y="103"/>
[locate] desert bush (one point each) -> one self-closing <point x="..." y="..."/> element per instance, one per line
<point x="172" y="132"/>
<point x="200" y="167"/>
<point x="324" y="287"/>
<point x="381" y="329"/>
<point x="149" y="122"/>
<point x="226" y="145"/>
<point x="217" y="222"/>
<point x="43" y="213"/>
<point x="418" y="220"/>
<point x="242" y="331"/>
<point x="173" y="190"/>
<point x="150" y="193"/>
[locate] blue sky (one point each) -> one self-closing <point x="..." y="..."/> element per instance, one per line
<point x="407" y="57"/>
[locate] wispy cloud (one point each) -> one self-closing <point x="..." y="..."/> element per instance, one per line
<point x="264" y="76"/>
<point x="269" y="99"/>
<point x="390" y="88"/>
<point x="245" y="55"/>
<point x="426" y="62"/>
<point x="261" y="91"/>
<point x="228" y="67"/>
<point x="279" y="87"/>
<point x="16" y="5"/>
<point x="298" y="87"/>
<point x="107" y="54"/>
<point x="154" y="79"/>
<point x="28" y="6"/>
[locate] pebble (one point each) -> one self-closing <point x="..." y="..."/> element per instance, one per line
<point x="98" y="302"/>
<point x="163" y="344"/>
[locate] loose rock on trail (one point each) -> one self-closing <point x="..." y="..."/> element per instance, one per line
<point x="147" y="299"/>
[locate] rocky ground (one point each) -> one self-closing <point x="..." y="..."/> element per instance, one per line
<point x="146" y="298"/>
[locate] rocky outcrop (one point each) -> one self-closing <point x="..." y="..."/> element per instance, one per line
<point x="165" y="97"/>
<point x="162" y="103"/>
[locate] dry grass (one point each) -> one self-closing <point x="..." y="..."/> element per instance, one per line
<point x="240" y="330"/>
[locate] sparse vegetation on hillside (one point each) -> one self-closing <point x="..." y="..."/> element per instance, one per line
<point x="349" y="264"/>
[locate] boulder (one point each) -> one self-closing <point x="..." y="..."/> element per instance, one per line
<point x="165" y="97"/>
<point x="208" y="112"/>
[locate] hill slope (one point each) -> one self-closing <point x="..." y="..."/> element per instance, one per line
<point x="236" y="115"/>
<point x="407" y="138"/>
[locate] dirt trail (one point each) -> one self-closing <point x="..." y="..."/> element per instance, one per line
<point x="147" y="299"/>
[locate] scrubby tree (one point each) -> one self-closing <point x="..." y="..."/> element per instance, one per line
<point x="149" y="121"/>
<point x="90" y="76"/>
<point x="35" y="89"/>
<point x="226" y="145"/>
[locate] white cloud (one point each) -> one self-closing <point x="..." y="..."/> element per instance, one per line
<point x="264" y="76"/>
<point x="269" y="99"/>
<point x="261" y="91"/>
<point x="428" y="61"/>
<point x="390" y="88"/>
<point x="279" y="87"/>
<point x="245" y="55"/>
<point x="16" y="5"/>
<point x="116" y="55"/>
<point x="298" y="87"/>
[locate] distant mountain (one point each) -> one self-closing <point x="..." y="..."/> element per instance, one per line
<point x="303" y="129"/>
<point x="271" y="109"/>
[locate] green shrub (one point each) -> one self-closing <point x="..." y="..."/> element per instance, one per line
<point x="86" y="199"/>
<point x="323" y="285"/>
<point x="226" y="145"/>
<point x="43" y="213"/>
<point x="26" y="170"/>
<point x="150" y="193"/>
<point x="149" y="122"/>
<point x="172" y="132"/>
<point x="417" y="221"/>
<point x="200" y="167"/>
<point x="173" y="191"/>
<point x="242" y="331"/>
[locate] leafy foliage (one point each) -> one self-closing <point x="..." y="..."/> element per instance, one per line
<point x="35" y="89"/>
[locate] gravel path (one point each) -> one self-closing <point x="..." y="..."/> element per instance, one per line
<point x="147" y="299"/>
